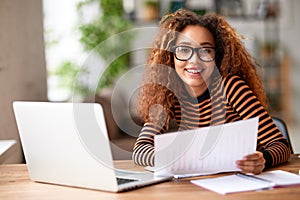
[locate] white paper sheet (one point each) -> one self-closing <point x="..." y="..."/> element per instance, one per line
<point x="231" y="184"/>
<point x="205" y="150"/>
<point x="5" y="145"/>
<point x="280" y="178"/>
<point x="241" y="183"/>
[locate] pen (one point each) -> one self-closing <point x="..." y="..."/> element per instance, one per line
<point x="182" y="176"/>
<point x="254" y="178"/>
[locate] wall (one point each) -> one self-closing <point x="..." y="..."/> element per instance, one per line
<point x="22" y="63"/>
<point x="290" y="29"/>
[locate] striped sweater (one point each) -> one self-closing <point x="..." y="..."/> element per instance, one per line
<point x="228" y="100"/>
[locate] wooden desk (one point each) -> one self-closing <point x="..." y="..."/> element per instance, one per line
<point x="15" y="184"/>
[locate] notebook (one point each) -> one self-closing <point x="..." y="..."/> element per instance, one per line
<point x="67" y="144"/>
<point x="248" y="182"/>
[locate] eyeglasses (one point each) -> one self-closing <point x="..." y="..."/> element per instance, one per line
<point x="184" y="53"/>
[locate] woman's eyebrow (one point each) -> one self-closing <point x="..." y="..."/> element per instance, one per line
<point x="201" y="44"/>
<point x="206" y="43"/>
<point x="186" y="43"/>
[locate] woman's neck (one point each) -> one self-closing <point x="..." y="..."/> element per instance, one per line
<point x="196" y="91"/>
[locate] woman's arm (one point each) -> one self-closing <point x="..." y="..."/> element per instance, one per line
<point x="270" y="142"/>
<point x="143" y="151"/>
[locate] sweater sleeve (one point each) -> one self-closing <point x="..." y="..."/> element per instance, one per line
<point x="143" y="150"/>
<point x="270" y="141"/>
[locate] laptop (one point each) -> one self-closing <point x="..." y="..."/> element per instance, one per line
<point x="67" y="144"/>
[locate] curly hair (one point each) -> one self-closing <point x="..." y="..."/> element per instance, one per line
<point x="160" y="83"/>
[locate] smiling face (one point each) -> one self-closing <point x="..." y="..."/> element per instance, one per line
<point x="195" y="72"/>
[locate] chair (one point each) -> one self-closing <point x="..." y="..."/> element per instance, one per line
<point x="283" y="129"/>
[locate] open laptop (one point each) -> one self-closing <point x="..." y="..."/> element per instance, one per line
<point x="67" y="144"/>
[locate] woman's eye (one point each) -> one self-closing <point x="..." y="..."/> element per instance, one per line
<point x="205" y="51"/>
<point x="184" y="50"/>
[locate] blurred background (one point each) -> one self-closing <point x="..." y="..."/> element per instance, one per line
<point x="95" y="50"/>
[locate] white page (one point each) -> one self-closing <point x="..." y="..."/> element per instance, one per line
<point x="205" y="150"/>
<point x="231" y="184"/>
<point x="5" y="145"/>
<point x="280" y="178"/>
<point x="236" y="183"/>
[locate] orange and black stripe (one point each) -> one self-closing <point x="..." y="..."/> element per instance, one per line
<point x="228" y="100"/>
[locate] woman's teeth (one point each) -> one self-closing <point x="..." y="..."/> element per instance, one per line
<point x="194" y="71"/>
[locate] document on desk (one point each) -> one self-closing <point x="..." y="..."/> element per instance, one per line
<point x="245" y="182"/>
<point x="203" y="151"/>
<point x="5" y="145"/>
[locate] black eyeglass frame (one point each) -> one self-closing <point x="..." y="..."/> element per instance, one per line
<point x="193" y="51"/>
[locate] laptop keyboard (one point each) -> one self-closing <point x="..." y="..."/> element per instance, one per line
<point x="124" y="180"/>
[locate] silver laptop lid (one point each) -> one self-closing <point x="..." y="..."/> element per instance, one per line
<point x="66" y="143"/>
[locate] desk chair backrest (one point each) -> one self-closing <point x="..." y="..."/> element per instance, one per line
<point x="283" y="129"/>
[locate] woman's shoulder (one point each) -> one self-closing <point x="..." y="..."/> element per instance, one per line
<point x="233" y="82"/>
<point x="231" y="79"/>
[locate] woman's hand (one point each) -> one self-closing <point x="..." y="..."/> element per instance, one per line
<point x="253" y="163"/>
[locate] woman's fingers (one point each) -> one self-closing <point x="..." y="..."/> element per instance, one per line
<point x="253" y="163"/>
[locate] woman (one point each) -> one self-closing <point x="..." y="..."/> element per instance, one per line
<point x="200" y="74"/>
